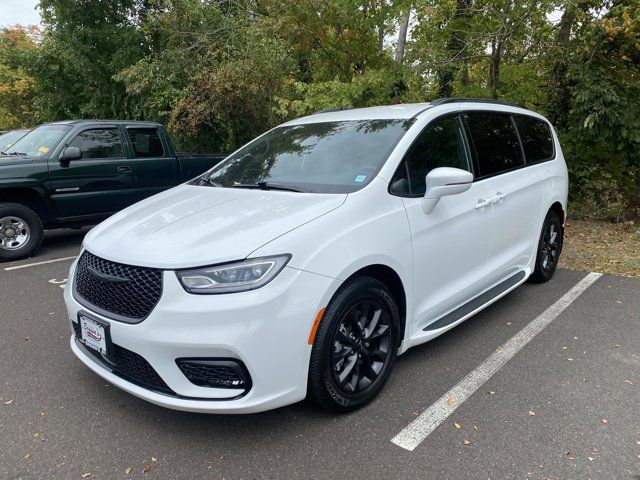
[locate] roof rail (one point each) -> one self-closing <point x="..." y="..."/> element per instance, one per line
<point x="329" y="110"/>
<point x="442" y="101"/>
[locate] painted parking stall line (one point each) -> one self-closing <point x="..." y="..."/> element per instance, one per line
<point x="419" y="429"/>
<point x="44" y="262"/>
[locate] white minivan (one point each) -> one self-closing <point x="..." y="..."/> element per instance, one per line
<point x="305" y="262"/>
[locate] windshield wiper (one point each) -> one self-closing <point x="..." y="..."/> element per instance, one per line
<point x="208" y="181"/>
<point x="20" y="154"/>
<point x="268" y="186"/>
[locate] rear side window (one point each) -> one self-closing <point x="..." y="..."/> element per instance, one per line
<point x="495" y="141"/>
<point x="440" y="144"/>
<point x="145" y="142"/>
<point x="536" y="137"/>
<point x="98" y="143"/>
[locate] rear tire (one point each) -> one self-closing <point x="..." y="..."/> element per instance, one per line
<point x="355" y="346"/>
<point x="21" y="231"/>
<point x="549" y="248"/>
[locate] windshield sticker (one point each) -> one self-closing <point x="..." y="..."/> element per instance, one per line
<point x="359" y="178"/>
<point x="43" y="149"/>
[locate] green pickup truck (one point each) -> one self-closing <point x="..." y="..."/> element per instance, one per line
<point x="75" y="173"/>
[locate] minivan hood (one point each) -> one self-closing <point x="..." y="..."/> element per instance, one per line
<point x="191" y="226"/>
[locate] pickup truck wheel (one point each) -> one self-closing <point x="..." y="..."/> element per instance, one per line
<point x="21" y="231"/>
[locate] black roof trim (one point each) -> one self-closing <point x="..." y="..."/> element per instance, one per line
<point x="103" y="122"/>
<point x="443" y="101"/>
<point x="329" y="110"/>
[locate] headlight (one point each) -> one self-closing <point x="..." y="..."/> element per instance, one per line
<point x="233" y="277"/>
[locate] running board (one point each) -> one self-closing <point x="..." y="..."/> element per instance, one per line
<point x="475" y="303"/>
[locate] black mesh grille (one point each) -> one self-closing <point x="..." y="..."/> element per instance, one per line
<point x="130" y="366"/>
<point x="216" y="373"/>
<point x="124" y="291"/>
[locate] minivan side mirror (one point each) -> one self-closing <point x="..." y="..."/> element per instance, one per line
<point x="68" y="154"/>
<point x="444" y="181"/>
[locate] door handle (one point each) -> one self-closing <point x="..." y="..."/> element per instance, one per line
<point x="498" y="197"/>
<point x="123" y="169"/>
<point x="501" y="196"/>
<point x="482" y="203"/>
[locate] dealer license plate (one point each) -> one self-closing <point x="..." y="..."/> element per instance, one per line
<point x="93" y="334"/>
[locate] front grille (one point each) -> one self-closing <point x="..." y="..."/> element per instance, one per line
<point x="130" y="366"/>
<point x="121" y="292"/>
<point x="215" y="372"/>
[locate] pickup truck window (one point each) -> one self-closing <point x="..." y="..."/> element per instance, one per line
<point x="327" y="157"/>
<point x="39" y="141"/>
<point x="99" y="143"/>
<point x="145" y="142"/>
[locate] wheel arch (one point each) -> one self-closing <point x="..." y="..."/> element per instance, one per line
<point x="392" y="280"/>
<point x="557" y="208"/>
<point x="27" y="196"/>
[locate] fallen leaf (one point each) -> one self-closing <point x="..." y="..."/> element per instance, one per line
<point x="629" y="382"/>
<point x="42" y="413"/>
<point x="146" y="468"/>
<point x="154" y="459"/>
<point x="475" y="428"/>
<point x="415" y="413"/>
<point x="569" y="359"/>
<point x="466" y="442"/>
<point x="638" y="442"/>
<point x="450" y="401"/>
<point x="492" y="392"/>
<point x="532" y="413"/>
<point x="457" y="425"/>
<point x="564" y="347"/>
<point x="508" y="323"/>
<point x="8" y="402"/>
<point x="86" y="475"/>
<point x="590" y="459"/>
<point x="37" y="434"/>
<point x="498" y="349"/>
<point x="616" y="346"/>
<point x="605" y="421"/>
<point x="575" y="338"/>
<point x="127" y="470"/>
<point x="594" y="450"/>
<point x="26" y="456"/>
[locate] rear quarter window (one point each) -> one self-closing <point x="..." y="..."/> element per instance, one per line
<point x="495" y="142"/>
<point x="536" y="137"/>
<point x="145" y="142"/>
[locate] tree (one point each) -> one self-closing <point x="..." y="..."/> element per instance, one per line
<point x="17" y="88"/>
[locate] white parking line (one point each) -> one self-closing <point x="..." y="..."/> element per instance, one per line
<point x="17" y="267"/>
<point x="411" y="436"/>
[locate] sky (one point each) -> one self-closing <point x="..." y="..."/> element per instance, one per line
<point x="18" y="11"/>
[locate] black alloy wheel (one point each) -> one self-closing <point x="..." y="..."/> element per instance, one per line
<point x="549" y="248"/>
<point x="361" y="346"/>
<point x="355" y="346"/>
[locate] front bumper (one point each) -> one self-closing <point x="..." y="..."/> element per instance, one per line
<point x="267" y="329"/>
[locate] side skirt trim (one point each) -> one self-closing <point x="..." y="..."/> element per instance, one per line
<point x="475" y="303"/>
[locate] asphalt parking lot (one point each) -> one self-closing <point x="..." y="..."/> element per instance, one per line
<point x="566" y="406"/>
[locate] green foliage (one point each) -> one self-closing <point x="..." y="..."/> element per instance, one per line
<point x="17" y="87"/>
<point x="220" y="72"/>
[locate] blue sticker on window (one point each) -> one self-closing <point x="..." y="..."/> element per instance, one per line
<point x="359" y="178"/>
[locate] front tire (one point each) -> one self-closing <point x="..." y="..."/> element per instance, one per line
<point x="355" y="346"/>
<point x="21" y="231"/>
<point x="549" y="248"/>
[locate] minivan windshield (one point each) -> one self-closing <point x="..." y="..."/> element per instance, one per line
<point x="327" y="157"/>
<point x="39" y="141"/>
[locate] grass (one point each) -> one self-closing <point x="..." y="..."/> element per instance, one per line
<point x="612" y="248"/>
